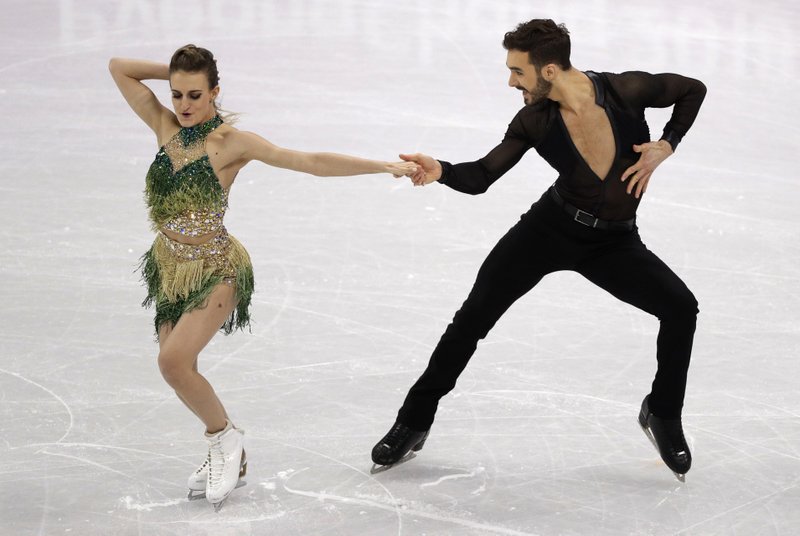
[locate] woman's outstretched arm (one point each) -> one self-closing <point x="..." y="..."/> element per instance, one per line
<point x="254" y="147"/>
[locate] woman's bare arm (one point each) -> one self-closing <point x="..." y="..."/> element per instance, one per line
<point x="254" y="147"/>
<point x="128" y="75"/>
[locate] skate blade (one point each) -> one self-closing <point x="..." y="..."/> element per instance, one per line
<point x="195" y="495"/>
<point x="376" y="469"/>
<point x="649" y="435"/>
<point x="218" y="505"/>
<point x="646" y="430"/>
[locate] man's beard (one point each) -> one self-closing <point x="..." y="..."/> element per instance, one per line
<point x="541" y="92"/>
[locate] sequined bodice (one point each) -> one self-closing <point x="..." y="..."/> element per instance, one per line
<point x="182" y="191"/>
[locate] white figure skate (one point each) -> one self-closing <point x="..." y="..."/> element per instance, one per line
<point x="197" y="481"/>
<point x="226" y="463"/>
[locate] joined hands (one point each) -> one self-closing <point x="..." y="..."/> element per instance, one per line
<point x="422" y="169"/>
<point x="402" y="169"/>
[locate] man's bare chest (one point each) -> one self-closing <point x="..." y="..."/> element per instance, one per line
<point x="593" y="137"/>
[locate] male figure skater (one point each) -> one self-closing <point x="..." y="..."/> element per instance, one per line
<point x="591" y="128"/>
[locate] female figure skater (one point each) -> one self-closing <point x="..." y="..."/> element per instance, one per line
<point x="198" y="276"/>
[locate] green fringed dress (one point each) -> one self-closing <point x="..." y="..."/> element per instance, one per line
<point x="184" y="196"/>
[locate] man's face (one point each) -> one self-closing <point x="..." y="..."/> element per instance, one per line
<point x="526" y="78"/>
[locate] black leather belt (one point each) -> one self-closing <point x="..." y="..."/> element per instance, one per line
<point x="588" y="219"/>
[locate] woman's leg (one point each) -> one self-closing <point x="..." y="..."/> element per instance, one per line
<point x="163" y="335"/>
<point x="179" y="348"/>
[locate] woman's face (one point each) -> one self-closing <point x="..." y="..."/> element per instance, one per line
<point x="192" y="99"/>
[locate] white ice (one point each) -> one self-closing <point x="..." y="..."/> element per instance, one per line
<point x="358" y="277"/>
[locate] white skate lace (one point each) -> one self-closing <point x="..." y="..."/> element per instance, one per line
<point x="216" y="463"/>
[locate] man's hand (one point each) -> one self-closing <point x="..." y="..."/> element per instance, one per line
<point x="652" y="154"/>
<point x="428" y="169"/>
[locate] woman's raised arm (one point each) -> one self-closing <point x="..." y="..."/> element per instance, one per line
<point x="128" y="75"/>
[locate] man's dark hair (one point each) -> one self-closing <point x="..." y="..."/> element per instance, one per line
<point x="543" y="40"/>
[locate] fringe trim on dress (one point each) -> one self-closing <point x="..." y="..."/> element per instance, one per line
<point x="180" y="278"/>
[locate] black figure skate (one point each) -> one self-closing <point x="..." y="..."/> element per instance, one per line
<point x="667" y="437"/>
<point x="397" y="446"/>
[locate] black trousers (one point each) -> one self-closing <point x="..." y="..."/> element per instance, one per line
<point x="546" y="240"/>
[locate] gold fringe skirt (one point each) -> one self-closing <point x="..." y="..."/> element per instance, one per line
<point x="180" y="277"/>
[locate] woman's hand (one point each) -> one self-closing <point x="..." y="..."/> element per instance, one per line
<point x="402" y="169"/>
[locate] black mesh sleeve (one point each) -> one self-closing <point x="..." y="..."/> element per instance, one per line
<point x="645" y="90"/>
<point x="476" y="177"/>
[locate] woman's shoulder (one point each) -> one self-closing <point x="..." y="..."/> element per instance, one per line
<point x="225" y="130"/>
<point x="224" y="134"/>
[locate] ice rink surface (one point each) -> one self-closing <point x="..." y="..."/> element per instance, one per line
<point x="356" y="278"/>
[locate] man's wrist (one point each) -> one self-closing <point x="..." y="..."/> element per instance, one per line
<point x="672" y="139"/>
<point x="443" y="169"/>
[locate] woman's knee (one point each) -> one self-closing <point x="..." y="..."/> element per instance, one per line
<point x="175" y="367"/>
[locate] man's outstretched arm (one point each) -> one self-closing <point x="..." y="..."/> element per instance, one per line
<point x="471" y="177"/>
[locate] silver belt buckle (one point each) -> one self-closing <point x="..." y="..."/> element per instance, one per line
<point x="591" y="218"/>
